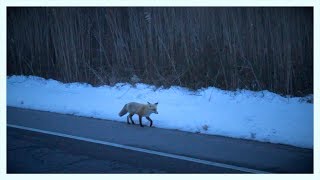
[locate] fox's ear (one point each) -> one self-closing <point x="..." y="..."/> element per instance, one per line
<point x="149" y="103"/>
<point x="156" y="103"/>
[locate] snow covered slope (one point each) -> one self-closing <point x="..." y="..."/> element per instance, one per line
<point x="262" y="116"/>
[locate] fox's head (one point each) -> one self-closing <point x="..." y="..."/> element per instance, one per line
<point x="153" y="107"/>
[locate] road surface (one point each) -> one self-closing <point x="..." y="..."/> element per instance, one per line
<point x="45" y="142"/>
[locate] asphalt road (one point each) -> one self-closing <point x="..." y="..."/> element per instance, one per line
<point x="34" y="152"/>
<point x="30" y="152"/>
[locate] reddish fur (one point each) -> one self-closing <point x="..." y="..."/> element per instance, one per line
<point x="142" y="110"/>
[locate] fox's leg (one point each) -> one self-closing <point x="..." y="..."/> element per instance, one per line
<point x="130" y="116"/>
<point x="140" y="120"/>
<point x="149" y="120"/>
<point x="128" y="119"/>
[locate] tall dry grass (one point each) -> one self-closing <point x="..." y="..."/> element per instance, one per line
<point x="245" y="47"/>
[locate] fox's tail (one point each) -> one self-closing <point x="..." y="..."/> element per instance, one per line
<point x="123" y="111"/>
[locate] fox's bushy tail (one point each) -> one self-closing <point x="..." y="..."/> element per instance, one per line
<point x="123" y="111"/>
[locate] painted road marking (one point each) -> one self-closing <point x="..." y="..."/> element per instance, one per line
<point x="210" y="163"/>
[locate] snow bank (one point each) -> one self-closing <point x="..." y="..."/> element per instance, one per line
<point x="261" y="116"/>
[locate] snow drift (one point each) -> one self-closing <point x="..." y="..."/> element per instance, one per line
<point x="261" y="116"/>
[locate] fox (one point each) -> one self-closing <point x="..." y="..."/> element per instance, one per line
<point x="142" y="110"/>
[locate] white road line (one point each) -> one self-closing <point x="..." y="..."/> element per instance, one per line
<point x="216" y="164"/>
